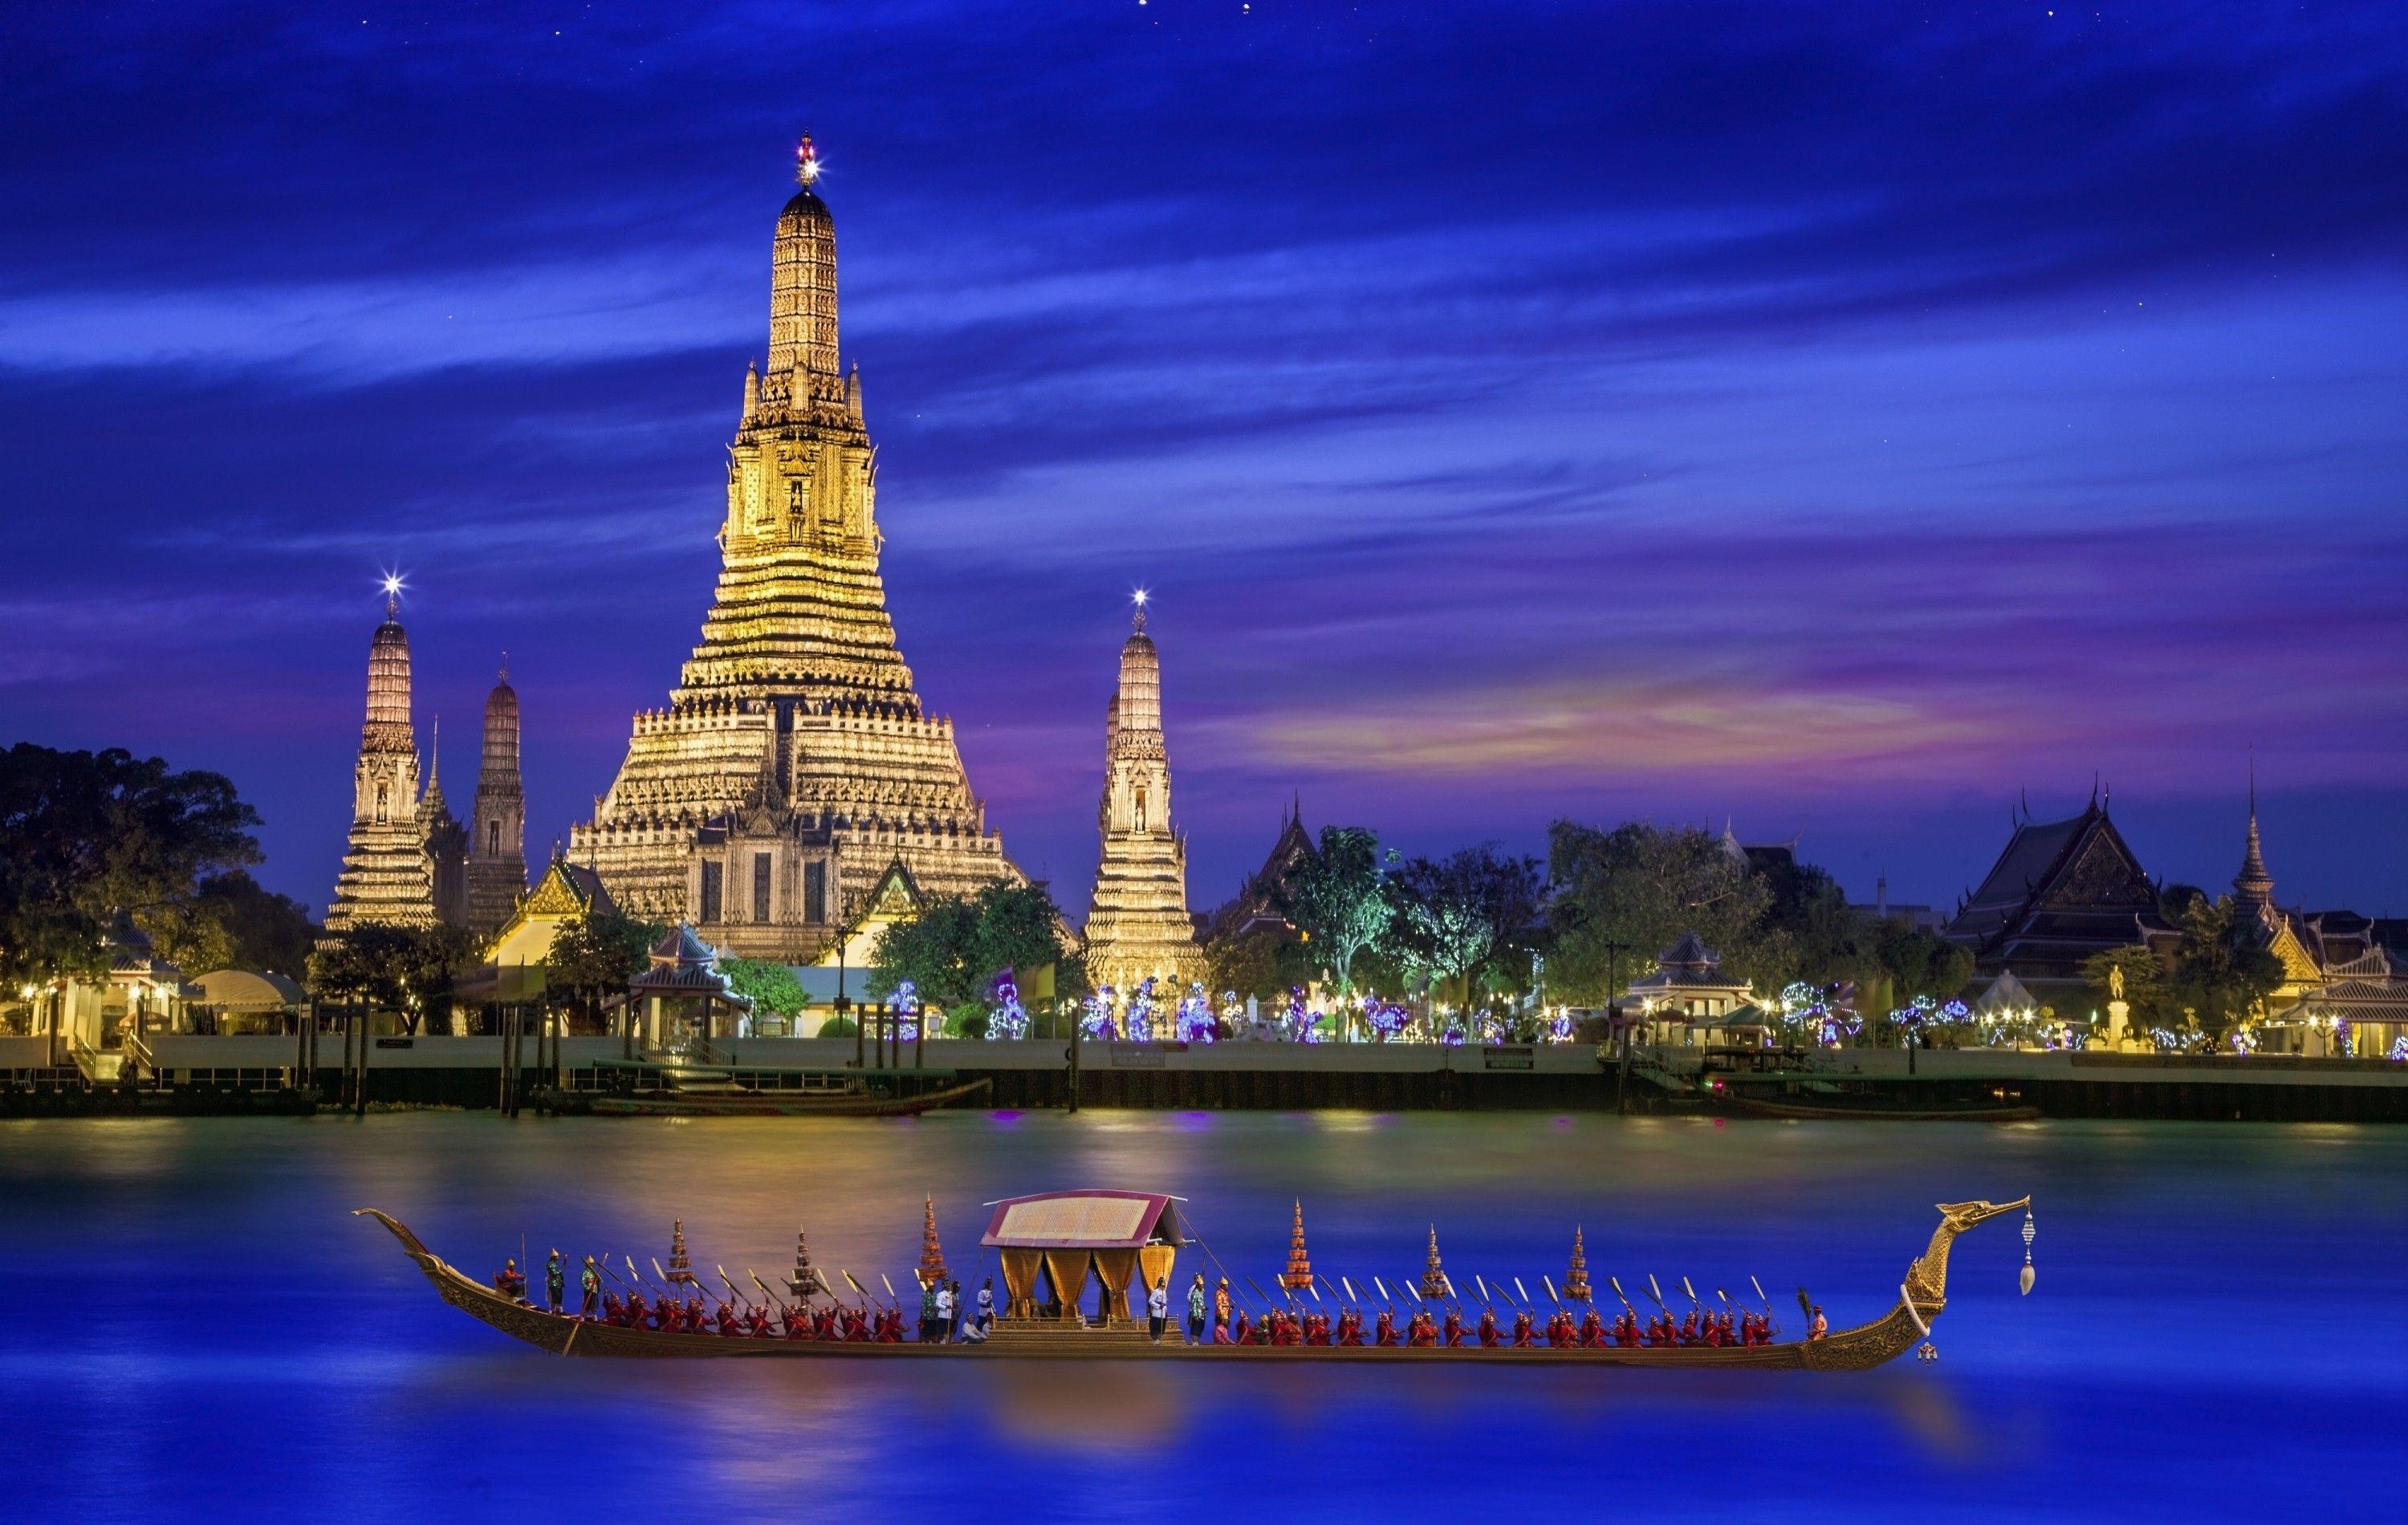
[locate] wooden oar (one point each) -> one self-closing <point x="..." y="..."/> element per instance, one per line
<point x="766" y="1291"/>
<point x="1482" y="1286"/>
<point x="1616" y="1284"/>
<point x="892" y="1301"/>
<point x="732" y="1287"/>
<point x="1549" y="1282"/>
<point x="1519" y="1287"/>
<point x="1350" y="1289"/>
<point x="1657" y="1293"/>
<point x="1761" y="1298"/>
<point x="1690" y="1293"/>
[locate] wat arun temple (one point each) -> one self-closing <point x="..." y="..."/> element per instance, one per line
<point x="794" y="775"/>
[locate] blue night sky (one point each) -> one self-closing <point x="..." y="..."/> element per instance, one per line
<point x="1839" y="418"/>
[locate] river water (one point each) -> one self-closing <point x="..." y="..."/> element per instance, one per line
<point x="196" y="1325"/>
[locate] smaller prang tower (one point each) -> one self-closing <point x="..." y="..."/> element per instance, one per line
<point x="386" y="878"/>
<point x="497" y="827"/>
<point x="1137" y="925"/>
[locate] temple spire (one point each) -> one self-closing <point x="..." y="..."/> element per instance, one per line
<point x="2253" y="886"/>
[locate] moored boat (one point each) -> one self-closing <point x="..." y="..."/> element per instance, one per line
<point x="1065" y="1238"/>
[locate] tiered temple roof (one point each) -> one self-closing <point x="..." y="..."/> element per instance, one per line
<point x="2061" y="891"/>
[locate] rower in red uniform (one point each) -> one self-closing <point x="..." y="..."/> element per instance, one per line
<point x="728" y="1324"/>
<point x="1383" y="1330"/>
<point x="1592" y="1332"/>
<point x="696" y="1321"/>
<point x="1242" y="1331"/>
<point x="1689" y="1328"/>
<point x="823" y="1325"/>
<point x="1350" y="1328"/>
<point x="1626" y="1329"/>
<point x="511" y="1281"/>
<point x="1661" y="1331"/>
<point x="1488" y="1329"/>
<point x="1454" y="1329"/>
<point x="1423" y="1334"/>
<point x="1522" y="1329"/>
<point x="798" y="1324"/>
<point x="856" y="1327"/>
<point x="1730" y="1330"/>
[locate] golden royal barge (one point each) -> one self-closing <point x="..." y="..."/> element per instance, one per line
<point x="1066" y="1239"/>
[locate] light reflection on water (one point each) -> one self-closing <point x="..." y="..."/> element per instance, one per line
<point x="199" y="1323"/>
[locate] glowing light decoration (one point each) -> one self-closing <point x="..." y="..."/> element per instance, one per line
<point x="1298" y="1023"/>
<point x="2245" y="1041"/>
<point x="1195" y="1020"/>
<point x="1387" y="1018"/>
<point x="2400" y="1049"/>
<point x="1095" y="1014"/>
<point x="1006" y="1018"/>
<point x="2345" y="1038"/>
<point x="1559" y="1027"/>
<point x="807" y="167"/>
<point x="1136" y="1023"/>
<point x="1452" y="1036"/>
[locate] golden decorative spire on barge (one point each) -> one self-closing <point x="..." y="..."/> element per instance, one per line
<point x="932" y="1255"/>
<point x="1576" y="1285"/>
<point x="1297" y="1277"/>
<point x="1434" y="1282"/>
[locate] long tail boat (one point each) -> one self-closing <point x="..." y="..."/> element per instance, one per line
<point x="1025" y="1332"/>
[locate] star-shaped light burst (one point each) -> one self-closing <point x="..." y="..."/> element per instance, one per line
<point x="1137" y="597"/>
<point x="806" y="161"/>
<point x="393" y="585"/>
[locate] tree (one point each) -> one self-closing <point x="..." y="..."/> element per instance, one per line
<point x="232" y="922"/>
<point x="772" y="987"/>
<point x="2145" y="987"/>
<point x="1919" y="962"/>
<point x="85" y="835"/>
<point x="1641" y="887"/>
<point x="955" y="943"/>
<point x="2223" y="968"/>
<point x="1260" y="962"/>
<point x="1465" y="916"/>
<point x="595" y="955"/>
<point x="1335" y="897"/>
<point x="407" y="971"/>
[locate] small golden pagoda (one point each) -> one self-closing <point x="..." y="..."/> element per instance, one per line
<point x="1434" y="1282"/>
<point x="806" y="1279"/>
<point x="932" y="1255"/>
<point x="680" y="1264"/>
<point x="1297" y="1277"/>
<point x="1576" y="1278"/>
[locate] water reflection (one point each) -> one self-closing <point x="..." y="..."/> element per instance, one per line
<point x="209" y="1271"/>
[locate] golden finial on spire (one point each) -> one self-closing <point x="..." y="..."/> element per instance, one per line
<point x="807" y="162"/>
<point x="392" y="586"/>
<point x="1138" y="599"/>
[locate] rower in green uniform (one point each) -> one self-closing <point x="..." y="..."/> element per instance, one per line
<point x="555" y="1280"/>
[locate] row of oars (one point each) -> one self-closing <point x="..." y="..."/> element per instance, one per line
<point x="1488" y="1300"/>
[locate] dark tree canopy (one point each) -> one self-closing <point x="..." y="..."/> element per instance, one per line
<point x="958" y="944"/>
<point x="232" y="922"/>
<point x="1338" y="899"/>
<point x="1643" y="886"/>
<point x="595" y="955"/>
<point x="407" y="971"/>
<point x="85" y="835"/>
<point x="1472" y="919"/>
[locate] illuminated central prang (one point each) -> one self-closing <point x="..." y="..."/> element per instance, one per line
<point x="794" y="771"/>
